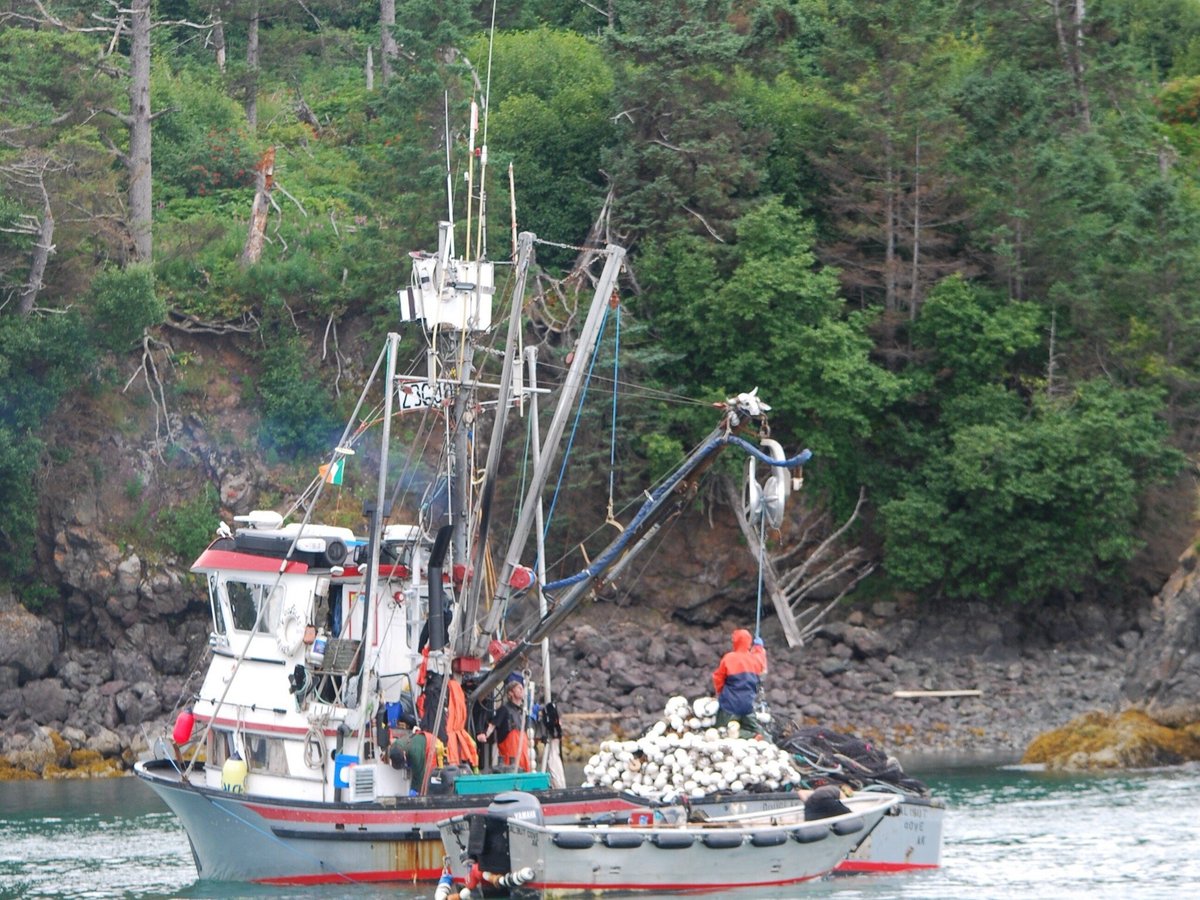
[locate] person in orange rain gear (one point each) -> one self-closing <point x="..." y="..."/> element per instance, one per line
<point x="736" y="680"/>
<point x="512" y="740"/>
<point x="460" y="746"/>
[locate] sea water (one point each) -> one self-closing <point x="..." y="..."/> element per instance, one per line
<point x="1009" y="832"/>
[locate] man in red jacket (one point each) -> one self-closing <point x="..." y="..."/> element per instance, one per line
<point x="736" y="681"/>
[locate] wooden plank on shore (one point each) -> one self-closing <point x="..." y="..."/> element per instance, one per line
<point x="590" y="715"/>
<point x="905" y="694"/>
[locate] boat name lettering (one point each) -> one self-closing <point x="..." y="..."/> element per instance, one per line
<point x="421" y="394"/>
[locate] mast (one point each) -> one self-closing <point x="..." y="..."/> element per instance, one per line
<point x="579" y="364"/>
<point x="376" y="528"/>
<point x="471" y="603"/>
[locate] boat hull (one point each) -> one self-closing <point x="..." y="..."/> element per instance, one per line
<point x="907" y="840"/>
<point x="731" y="857"/>
<point x="244" y="837"/>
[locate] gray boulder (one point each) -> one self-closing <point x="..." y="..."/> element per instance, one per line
<point x="27" y="643"/>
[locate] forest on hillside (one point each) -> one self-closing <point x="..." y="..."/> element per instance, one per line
<point x="956" y="242"/>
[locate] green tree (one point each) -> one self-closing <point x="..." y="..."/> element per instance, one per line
<point x="56" y="174"/>
<point x="298" y="413"/>
<point x="892" y="203"/>
<point x="765" y="315"/>
<point x="685" y="157"/>
<point x="123" y="305"/>
<point x="1015" y="494"/>
<point x="551" y="96"/>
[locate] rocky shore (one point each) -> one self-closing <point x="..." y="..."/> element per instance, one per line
<point x="81" y="713"/>
<point x="1034" y="673"/>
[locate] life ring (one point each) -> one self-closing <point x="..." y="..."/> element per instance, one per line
<point x="290" y="634"/>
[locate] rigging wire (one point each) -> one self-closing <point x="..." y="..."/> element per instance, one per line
<point x="762" y="563"/>
<point x="562" y="470"/>
<point x="612" y="439"/>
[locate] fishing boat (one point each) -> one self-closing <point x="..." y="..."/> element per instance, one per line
<point x="659" y="850"/>
<point x="340" y="660"/>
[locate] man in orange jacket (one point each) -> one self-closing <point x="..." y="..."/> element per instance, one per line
<point x="736" y="681"/>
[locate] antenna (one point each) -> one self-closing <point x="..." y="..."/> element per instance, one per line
<point x="483" y="151"/>
<point x="449" y="178"/>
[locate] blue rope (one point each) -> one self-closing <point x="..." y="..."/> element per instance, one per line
<point x="651" y="504"/>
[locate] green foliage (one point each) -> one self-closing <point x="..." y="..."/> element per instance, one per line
<point x="57" y="134"/>
<point x="1015" y="494"/>
<point x="749" y="149"/>
<point x="297" y="410"/>
<point x="978" y="337"/>
<point x="686" y="157"/>
<point x="1178" y="101"/>
<point x="40" y="358"/>
<point x="35" y="595"/>
<point x="550" y="115"/>
<point x="766" y="316"/>
<point x="123" y="305"/>
<point x="186" y="529"/>
<point x="1023" y="506"/>
<point x="201" y="143"/>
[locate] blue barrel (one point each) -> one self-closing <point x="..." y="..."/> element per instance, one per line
<point x="341" y="762"/>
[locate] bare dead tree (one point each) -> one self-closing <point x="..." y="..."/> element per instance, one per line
<point x="555" y="306"/>
<point x="29" y="174"/>
<point x="818" y="569"/>
<point x="164" y="431"/>
<point x="189" y="324"/>
<point x="265" y="181"/>
<point x="387" y="22"/>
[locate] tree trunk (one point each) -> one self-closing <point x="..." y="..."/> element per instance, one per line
<point x="252" y="67"/>
<point x="1080" y="13"/>
<point x="41" y="254"/>
<point x="891" y="189"/>
<point x="1071" y="51"/>
<point x="258" y="213"/>
<point x="218" y="34"/>
<point x="138" y="162"/>
<point x="387" y="22"/>
<point x="915" y="277"/>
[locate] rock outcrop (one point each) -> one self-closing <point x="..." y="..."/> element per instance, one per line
<point x="1164" y="676"/>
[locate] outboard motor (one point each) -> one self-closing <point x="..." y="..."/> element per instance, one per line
<point x="487" y="840"/>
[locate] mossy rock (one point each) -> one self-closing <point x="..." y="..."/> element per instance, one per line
<point x="13" y="773"/>
<point x="1128" y="740"/>
<point x="96" y="768"/>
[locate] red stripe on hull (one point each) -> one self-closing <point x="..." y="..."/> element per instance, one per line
<point x="356" y="877"/>
<point x="388" y="816"/>
<point x="681" y="887"/>
<point x="863" y="867"/>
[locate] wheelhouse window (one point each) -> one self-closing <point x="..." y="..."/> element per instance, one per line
<point x="254" y="607"/>
<point x="266" y="754"/>
<point x="262" y="754"/>
<point x="214" y="602"/>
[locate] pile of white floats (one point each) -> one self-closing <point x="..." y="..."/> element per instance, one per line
<point x="685" y="755"/>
